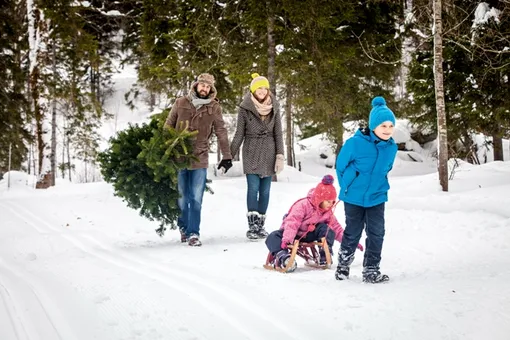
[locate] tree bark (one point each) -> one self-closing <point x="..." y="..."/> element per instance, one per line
<point x="271" y="54"/>
<point x="53" y="155"/>
<point x="271" y="47"/>
<point x="497" y="144"/>
<point x="440" y="104"/>
<point x="288" y="123"/>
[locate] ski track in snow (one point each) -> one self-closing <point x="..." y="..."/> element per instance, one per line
<point x="231" y="308"/>
<point x="10" y="316"/>
<point x="37" y="308"/>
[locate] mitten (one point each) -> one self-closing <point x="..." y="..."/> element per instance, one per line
<point x="284" y="244"/>
<point x="225" y="164"/>
<point x="279" y="163"/>
<point x="360" y="247"/>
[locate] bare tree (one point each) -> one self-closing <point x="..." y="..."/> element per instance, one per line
<point x="440" y="104"/>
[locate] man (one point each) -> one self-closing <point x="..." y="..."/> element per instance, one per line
<point x="198" y="111"/>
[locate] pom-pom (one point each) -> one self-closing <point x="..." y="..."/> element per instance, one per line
<point x="328" y="180"/>
<point x="255" y="75"/>
<point x="378" y="101"/>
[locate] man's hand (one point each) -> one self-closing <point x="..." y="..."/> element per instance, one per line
<point x="225" y="164"/>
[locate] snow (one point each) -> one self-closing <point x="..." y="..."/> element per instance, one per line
<point x="484" y="13"/>
<point x="76" y="263"/>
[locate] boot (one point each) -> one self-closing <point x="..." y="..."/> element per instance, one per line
<point x="322" y="256"/>
<point x="261" y="232"/>
<point x="253" y="225"/>
<point x="342" y="273"/>
<point x="184" y="238"/>
<point x="194" y="241"/>
<point x="281" y="260"/>
<point x="344" y="263"/>
<point x="373" y="275"/>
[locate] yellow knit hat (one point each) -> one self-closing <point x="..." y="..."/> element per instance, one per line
<point x="258" y="81"/>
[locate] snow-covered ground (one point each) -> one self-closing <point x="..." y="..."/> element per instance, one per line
<point x="76" y="263"/>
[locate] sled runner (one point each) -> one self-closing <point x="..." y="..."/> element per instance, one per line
<point x="308" y="251"/>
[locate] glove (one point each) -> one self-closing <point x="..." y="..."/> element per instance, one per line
<point x="225" y="164"/>
<point x="360" y="247"/>
<point x="284" y="244"/>
<point x="279" y="163"/>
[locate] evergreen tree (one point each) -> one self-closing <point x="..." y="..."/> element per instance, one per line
<point x="13" y="104"/>
<point x="341" y="55"/>
<point x="476" y="74"/>
<point x="142" y="163"/>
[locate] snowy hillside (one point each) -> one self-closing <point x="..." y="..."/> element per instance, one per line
<point x="76" y="263"/>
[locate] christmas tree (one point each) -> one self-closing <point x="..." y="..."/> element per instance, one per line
<point x="142" y="163"/>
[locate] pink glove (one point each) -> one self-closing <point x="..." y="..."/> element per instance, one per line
<point x="360" y="247"/>
<point x="284" y="245"/>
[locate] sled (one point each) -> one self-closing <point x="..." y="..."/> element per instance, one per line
<point x="307" y="251"/>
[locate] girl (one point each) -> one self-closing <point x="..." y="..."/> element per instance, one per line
<point x="316" y="209"/>
<point x="259" y="126"/>
<point x="362" y="168"/>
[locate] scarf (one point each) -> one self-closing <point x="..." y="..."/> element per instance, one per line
<point x="263" y="108"/>
<point x="197" y="101"/>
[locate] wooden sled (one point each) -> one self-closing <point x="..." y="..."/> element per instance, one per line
<point x="307" y="251"/>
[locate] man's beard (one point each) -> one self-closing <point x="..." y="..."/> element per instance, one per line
<point x="202" y="94"/>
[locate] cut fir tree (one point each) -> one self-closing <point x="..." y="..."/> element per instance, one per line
<point x="142" y="163"/>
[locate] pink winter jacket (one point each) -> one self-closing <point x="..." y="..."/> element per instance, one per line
<point x="302" y="214"/>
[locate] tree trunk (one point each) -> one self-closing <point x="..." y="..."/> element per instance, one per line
<point x="271" y="53"/>
<point x="271" y="47"/>
<point x="69" y="167"/>
<point x="497" y="144"/>
<point x="53" y="155"/>
<point x="440" y="104"/>
<point x="288" y="123"/>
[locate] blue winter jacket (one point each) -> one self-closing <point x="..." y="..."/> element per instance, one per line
<point x="362" y="168"/>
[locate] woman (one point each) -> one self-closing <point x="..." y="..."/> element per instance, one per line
<point x="259" y="126"/>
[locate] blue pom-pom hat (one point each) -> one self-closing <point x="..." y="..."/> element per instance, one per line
<point x="380" y="113"/>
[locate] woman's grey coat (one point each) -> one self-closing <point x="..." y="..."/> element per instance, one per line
<point x="263" y="139"/>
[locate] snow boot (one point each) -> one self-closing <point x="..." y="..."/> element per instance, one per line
<point x="261" y="232"/>
<point x="342" y="273"/>
<point x="282" y="259"/>
<point x="322" y="256"/>
<point x="253" y="225"/>
<point x="344" y="262"/>
<point x="371" y="275"/>
<point x="194" y="241"/>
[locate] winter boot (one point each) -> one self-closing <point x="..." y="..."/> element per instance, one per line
<point x="194" y="241"/>
<point x="282" y="258"/>
<point x="371" y="275"/>
<point x="344" y="263"/>
<point x="261" y="232"/>
<point x="184" y="238"/>
<point x="322" y="256"/>
<point x="253" y="225"/>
